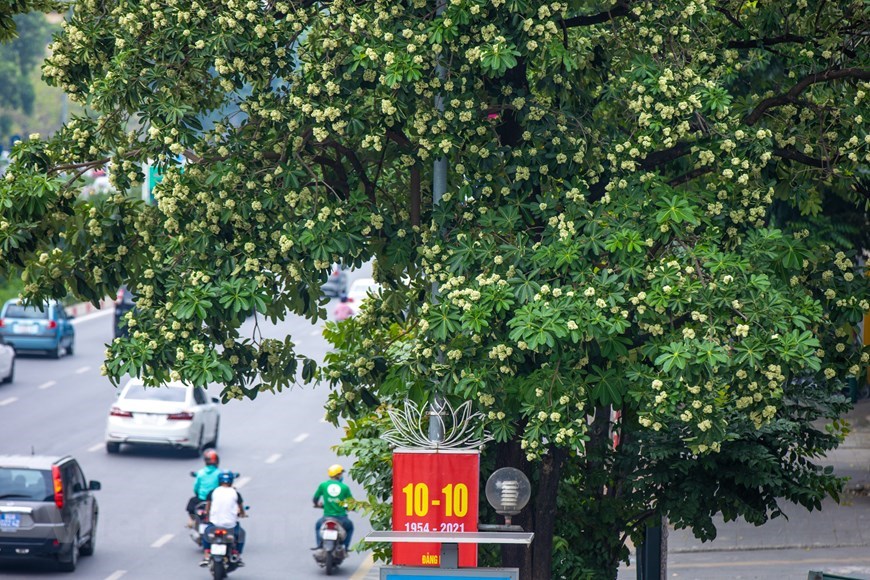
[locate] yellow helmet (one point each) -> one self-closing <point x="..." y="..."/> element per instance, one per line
<point x="335" y="470"/>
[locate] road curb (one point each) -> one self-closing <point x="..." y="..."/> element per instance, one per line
<point x="83" y="308"/>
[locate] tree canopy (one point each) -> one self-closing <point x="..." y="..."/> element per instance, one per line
<point x="635" y="239"/>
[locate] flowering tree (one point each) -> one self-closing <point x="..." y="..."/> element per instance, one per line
<point x="617" y="288"/>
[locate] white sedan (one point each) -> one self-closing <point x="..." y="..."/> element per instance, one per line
<point x="7" y="362"/>
<point x="175" y="415"/>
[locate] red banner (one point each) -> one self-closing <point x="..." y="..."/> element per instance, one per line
<point x="434" y="491"/>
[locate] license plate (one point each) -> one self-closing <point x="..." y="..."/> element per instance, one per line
<point x="202" y="528"/>
<point x="9" y="522"/>
<point x="147" y="418"/>
<point x="330" y="534"/>
<point x="26" y="329"/>
<point x="219" y="549"/>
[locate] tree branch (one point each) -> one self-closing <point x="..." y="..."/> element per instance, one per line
<point x="657" y="158"/>
<point x="801" y="86"/>
<point x="794" y="155"/>
<point x="621" y="8"/>
<point x="765" y="42"/>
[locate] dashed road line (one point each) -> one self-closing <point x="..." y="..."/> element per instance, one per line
<point x="242" y="482"/>
<point x="82" y="370"/>
<point x="96" y="447"/>
<point x="162" y="540"/>
<point x="300" y="438"/>
<point x="8" y="401"/>
<point x="273" y="458"/>
<point x="46" y="385"/>
<point x="116" y="575"/>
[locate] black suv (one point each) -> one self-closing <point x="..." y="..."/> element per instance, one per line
<point x="124" y="303"/>
<point x="47" y="510"/>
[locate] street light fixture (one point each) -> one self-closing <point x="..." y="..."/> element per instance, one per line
<point x="508" y="491"/>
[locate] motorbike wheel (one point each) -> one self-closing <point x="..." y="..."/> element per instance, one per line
<point x="218" y="572"/>
<point x="330" y="563"/>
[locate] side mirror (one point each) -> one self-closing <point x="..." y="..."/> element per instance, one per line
<point x="215" y="400"/>
<point x="94" y="485"/>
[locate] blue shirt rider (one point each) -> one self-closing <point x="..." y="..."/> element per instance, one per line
<point x="206" y="481"/>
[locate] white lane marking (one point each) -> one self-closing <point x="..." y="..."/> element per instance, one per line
<point x="273" y="458"/>
<point x="242" y="482"/>
<point x="162" y="540"/>
<point x="47" y="384"/>
<point x="96" y="447"/>
<point x="8" y="401"/>
<point x="300" y="438"/>
<point x="82" y="370"/>
<point x="116" y="575"/>
<point x="99" y="314"/>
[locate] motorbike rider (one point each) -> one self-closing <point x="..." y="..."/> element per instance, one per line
<point x="206" y="480"/>
<point x="224" y="506"/>
<point x="334" y="493"/>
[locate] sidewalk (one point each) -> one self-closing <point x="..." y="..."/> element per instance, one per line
<point x="835" y="539"/>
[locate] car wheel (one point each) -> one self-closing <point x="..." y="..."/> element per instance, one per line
<point x="113" y="447"/>
<point x="70" y="565"/>
<point x="57" y="352"/>
<point x="214" y="441"/>
<point x="200" y="446"/>
<point x="11" y="376"/>
<point x="88" y="548"/>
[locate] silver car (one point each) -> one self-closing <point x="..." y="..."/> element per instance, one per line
<point x="47" y="510"/>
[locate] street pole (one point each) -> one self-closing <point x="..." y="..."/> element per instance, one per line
<point x="439" y="186"/>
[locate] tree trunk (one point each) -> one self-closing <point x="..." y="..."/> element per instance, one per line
<point x="545" y="514"/>
<point x="512" y="555"/>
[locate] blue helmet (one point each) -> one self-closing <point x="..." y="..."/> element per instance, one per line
<point x="226" y="477"/>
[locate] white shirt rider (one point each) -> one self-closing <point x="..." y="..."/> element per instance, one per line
<point x="224" y="506"/>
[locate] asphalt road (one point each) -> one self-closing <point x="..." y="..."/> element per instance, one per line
<point x="279" y="443"/>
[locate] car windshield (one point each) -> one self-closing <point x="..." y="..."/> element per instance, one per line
<point x="25" y="484"/>
<point x="21" y="311"/>
<point x="168" y="394"/>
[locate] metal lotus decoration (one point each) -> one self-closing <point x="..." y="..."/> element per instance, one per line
<point x="411" y="428"/>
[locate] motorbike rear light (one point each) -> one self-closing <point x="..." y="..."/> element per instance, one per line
<point x="58" y="486"/>
<point x="2" y="323"/>
<point x="52" y="324"/>
<point x="116" y="412"/>
<point x="220" y="532"/>
<point x="330" y="526"/>
<point x="183" y="416"/>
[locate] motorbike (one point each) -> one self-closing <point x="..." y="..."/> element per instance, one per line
<point x="224" y="557"/>
<point x="332" y="552"/>
<point x="199" y="523"/>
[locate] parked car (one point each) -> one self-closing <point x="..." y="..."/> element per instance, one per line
<point x="7" y="361"/>
<point x="47" y="510"/>
<point x="358" y="292"/>
<point x="46" y="328"/>
<point x="336" y="284"/>
<point x="175" y="414"/>
<point x="125" y="301"/>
